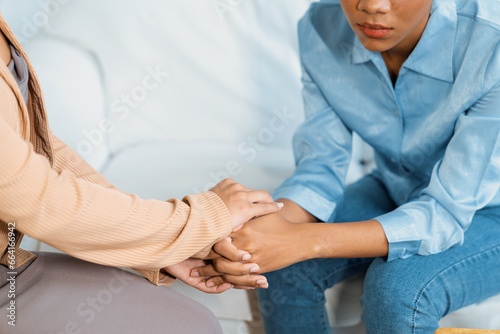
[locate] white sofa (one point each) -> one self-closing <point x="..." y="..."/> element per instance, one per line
<point x="166" y="98"/>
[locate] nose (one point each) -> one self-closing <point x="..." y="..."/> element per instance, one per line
<point x="375" y="6"/>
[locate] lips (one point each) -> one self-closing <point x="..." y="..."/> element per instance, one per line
<point x="374" y="30"/>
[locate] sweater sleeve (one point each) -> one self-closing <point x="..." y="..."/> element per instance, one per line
<point x="74" y="209"/>
<point x="67" y="159"/>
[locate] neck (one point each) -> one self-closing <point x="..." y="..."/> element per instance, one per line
<point x="393" y="63"/>
<point x="396" y="56"/>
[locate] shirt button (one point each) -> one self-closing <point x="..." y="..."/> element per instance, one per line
<point x="396" y="112"/>
<point x="393" y="160"/>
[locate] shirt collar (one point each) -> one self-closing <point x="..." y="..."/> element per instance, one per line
<point x="439" y="36"/>
<point x="359" y="53"/>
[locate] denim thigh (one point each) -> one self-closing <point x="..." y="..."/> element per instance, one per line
<point x="412" y="295"/>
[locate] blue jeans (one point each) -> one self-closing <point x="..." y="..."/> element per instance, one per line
<point x="401" y="296"/>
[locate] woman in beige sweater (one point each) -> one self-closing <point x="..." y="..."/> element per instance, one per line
<point x="49" y="193"/>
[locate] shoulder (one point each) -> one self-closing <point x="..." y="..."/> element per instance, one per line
<point x="9" y="105"/>
<point x="477" y="43"/>
<point x="481" y="12"/>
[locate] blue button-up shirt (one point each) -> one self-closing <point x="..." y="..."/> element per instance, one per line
<point x="435" y="133"/>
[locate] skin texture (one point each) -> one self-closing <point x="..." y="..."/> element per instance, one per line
<point x="238" y="270"/>
<point x="261" y="235"/>
<point x="275" y="243"/>
<point x="243" y="204"/>
<point x="182" y="270"/>
<point x="406" y="18"/>
<point x="278" y="240"/>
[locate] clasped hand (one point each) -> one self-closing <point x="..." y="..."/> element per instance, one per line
<point x="261" y="245"/>
<point x="243" y="204"/>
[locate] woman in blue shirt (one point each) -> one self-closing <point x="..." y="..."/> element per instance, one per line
<point x="419" y="80"/>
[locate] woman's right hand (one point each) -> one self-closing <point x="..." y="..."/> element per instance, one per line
<point x="235" y="268"/>
<point x="244" y="203"/>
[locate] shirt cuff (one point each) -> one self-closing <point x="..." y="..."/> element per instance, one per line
<point x="312" y="202"/>
<point x="157" y="276"/>
<point x="401" y="232"/>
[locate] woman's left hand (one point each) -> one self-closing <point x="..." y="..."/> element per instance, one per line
<point x="183" y="272"/>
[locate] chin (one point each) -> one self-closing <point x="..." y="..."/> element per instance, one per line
<point x="375" y="45"/>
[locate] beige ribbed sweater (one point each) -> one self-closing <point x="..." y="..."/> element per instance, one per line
<point x="54" y="196"/>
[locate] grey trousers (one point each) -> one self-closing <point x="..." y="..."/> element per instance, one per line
<point x="56" y="294"/>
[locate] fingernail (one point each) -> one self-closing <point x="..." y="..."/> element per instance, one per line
<point x="264" y="286"/>
<point x="280" y="205"/>
<point x="254" y="269"/>
<point x="229" y="239"/>
<point x="246" y="257"/>
<point x="210" y="284"/>
<point x="261" y="282"/>
<point x="195" y="273"/>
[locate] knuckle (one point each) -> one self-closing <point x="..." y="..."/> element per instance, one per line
<point x="264" y="194"/>
<point x="216" y="263"/>
<point x="218" y="248"/>
<point x="237" y="279"/>
<point x="228" y="181"/>
<point x="241" y="196"/>
<point x="250" y="281"/>
<point x="228" y="279"/>
<point x="238" y="186"/>
<point x="231" y="187"/>
<point x="219" y="265"/>
<point x="217" y="280"/>
<point x="242" y="270"/>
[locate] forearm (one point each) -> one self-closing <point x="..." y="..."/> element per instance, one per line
<point x="275" y="243"/>
<point x="98" y="224"/>
<point x="345" y="240"/>
<point x="65" y="159"/>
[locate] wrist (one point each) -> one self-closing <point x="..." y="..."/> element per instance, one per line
<point x="294" y="213"/>
<point x="309" y="244"/>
